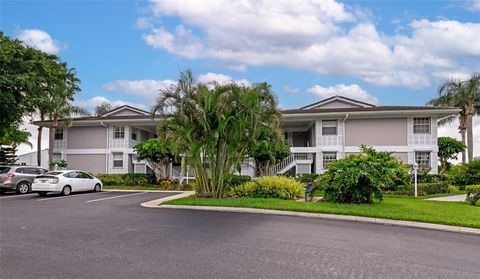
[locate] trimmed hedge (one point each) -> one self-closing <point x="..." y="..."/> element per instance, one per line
<point x="433" y="188"/>
<point x="423" y="189"/>
<point x="131" y="179"/>
<point x="473" y="194"/>
<point x="278" y="187"/>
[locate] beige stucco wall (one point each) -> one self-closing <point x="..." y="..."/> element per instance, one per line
<point x="86" y="137"/>
<point x="376" y="132"/>
<point x="94" y="163"/>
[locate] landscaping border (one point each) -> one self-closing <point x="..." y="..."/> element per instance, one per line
<point x="157" y="202"/>
<point x="412" y="224"/>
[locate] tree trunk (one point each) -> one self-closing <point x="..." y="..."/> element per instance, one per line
<point x="464" y="152"/>
<point x="39" y="145"/>
<point x="51" y="139"/>
<point x="470" y="136"/>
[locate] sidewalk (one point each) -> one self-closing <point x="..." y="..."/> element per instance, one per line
<point x="456" y="198"/>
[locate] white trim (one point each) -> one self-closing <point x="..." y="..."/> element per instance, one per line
<point x="402" y="148"/>
<point x="125" y="108"/>
<point x="308" y="116"/>
<point x="338" y="98"/>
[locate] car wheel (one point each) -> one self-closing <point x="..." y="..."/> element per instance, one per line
<point x="66" y="190"/>
<point x="23" y="188"/>
<point x="42" y="194"/>
<point x="97" y="188"/>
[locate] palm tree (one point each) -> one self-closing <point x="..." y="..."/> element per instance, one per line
<point x="464" y="94"/>
<point x="214" y="127"/>
<point x="56" y="106"/>
<point x="103" y="108"/>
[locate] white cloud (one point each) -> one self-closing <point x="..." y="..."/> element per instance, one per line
<point x="290" y="89"/>
<point x="337" y="40"/>
<point x="147" y="89"/>
<point x="221" y="79"/>
<point x="351" y="91"/>
<point x="40" y="40"/>
<point x="91" y="103"/>
<point x="473" y="5"/>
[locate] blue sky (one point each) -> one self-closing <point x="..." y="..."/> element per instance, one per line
<point x="385" y="52"/>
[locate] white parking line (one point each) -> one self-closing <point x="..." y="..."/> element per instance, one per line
<point x="121" y="196"/>
<point x="70" y="196"/>
<point x="15" y="196"/>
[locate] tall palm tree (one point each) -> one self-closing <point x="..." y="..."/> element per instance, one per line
<point x="215" y="126"/>
<point x="464" y="94"/>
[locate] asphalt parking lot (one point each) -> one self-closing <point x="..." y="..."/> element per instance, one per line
<point x="109" y="235"/>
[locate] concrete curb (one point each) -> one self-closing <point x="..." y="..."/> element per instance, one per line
<point x="153" y="191"/>
<point x="157" y="202"/>
<point x="336" y="217"/>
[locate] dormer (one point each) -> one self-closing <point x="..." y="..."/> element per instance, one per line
<point x="125" y="111"/>
<point x="338" y="102"/>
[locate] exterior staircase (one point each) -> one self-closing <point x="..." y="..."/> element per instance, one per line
<point x="293" y="160"/>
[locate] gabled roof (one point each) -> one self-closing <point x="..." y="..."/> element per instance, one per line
<point x="338" y="99"/>
<point x="136" y="111"/>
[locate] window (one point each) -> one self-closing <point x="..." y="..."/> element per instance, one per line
<point x="57" y="157"/>
<point x="118" y="132"/>
<point x="118" y="160"/>
<point x="329" y="127"/>
<point x="421" y="125"/>
<point x="328" y="157"/>
<point x="59" y="134"/>
<point x="82" y="174"/>
<point x="422" y="158"/>
<point x="134" y="134"/>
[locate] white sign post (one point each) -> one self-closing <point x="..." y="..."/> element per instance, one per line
<point x="415" y="171"/>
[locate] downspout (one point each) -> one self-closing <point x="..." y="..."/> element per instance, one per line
<point x="106" y="147"/>
<point x="343" y="134"/>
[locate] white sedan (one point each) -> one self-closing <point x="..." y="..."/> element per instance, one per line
<point x="65" y="182"/>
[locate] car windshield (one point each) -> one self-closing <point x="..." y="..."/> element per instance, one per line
<point x="4" y="170"/>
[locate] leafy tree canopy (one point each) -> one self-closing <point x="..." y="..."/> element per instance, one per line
<point x="448" y="148"/>
<point x="158" y="153"/>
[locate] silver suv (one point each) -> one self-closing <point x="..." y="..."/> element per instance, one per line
<point x="18" y="178"/>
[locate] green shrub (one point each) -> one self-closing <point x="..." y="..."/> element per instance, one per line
<point x="360" y="178"/>
<point x="279" y="187"/>
<point x="473" y="194"/>
<point x="129" y="179"/>
<point x="237" y="180"/>
<point x="452" y="189"/>
<point x="465" y="174"/>
<point x="139" y="179"/>
<point x="308" y="177"/>
<point x="433" y="188"/>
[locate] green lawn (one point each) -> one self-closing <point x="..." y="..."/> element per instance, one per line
<point x="392" y="207"/>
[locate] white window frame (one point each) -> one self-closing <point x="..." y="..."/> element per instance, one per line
<point x="422" y="161"/>
<point x="117" y="157"/>
<point x="328" y="157"/>
<point x="135" y="132"/>
<point x="58" y="132"/>
<point x="118" y="132"/>
<point x="326" y="124"/>
<point x="420" y="123"/>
